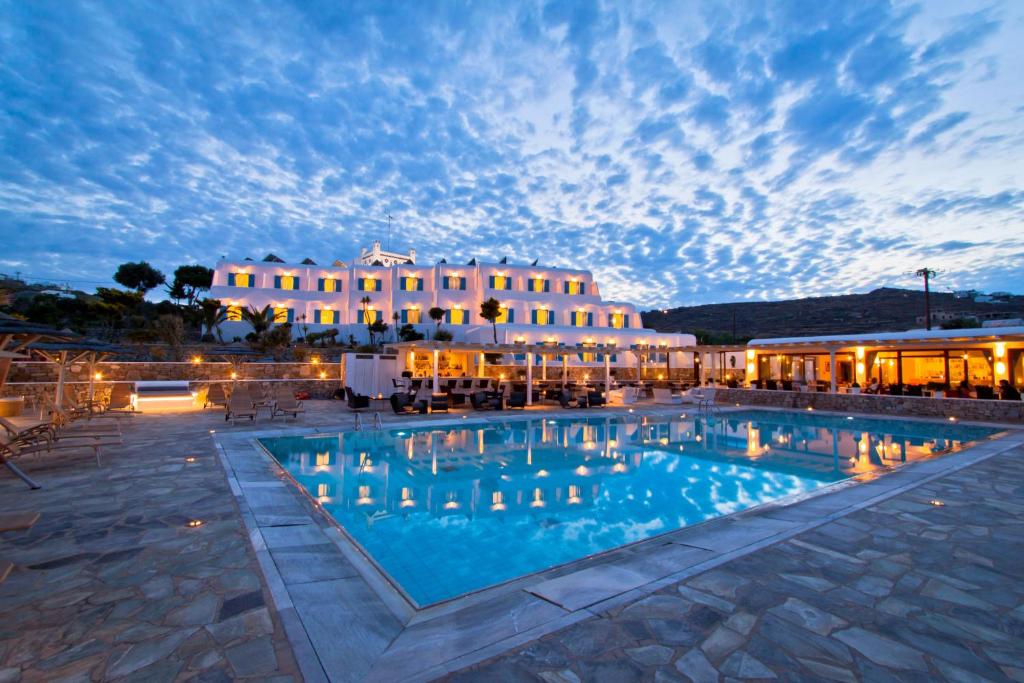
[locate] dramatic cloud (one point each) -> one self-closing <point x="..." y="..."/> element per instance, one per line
<point x="685" y="153"/>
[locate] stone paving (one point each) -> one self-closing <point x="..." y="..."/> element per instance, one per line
<point x="110" y="584"/>
<point x="901" y="591"/>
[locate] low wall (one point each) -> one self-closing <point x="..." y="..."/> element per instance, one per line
<point x="33" y="371"/>
<point x="902" y="406"/>
<point x="35" y="392"/>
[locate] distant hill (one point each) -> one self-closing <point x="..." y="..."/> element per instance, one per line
<point x="885" y="309"/>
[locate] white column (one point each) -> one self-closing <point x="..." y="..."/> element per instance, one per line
<point x="62" y="359"/>
<point x="703" y="368"/>
<point x="435" y="386"/>
<point x="607" y="374"/>
<point x="713" y="379"/>
<point x="529" y="378"/>
<point x="544" y="366"/>
<point x="480" y="364"/>
<point x="832" y="365"/>
<point x="91" y="365"/>
<point x="639" y="365"/>
<point x="565" y="368"/>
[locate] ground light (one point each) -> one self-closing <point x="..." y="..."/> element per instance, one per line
<point x="190" y="458"/>
<point x="937" y="503"/>
<point x="193" y="523"/>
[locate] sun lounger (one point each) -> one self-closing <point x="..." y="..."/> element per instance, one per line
<point x="215" y="396"/>
<point x="285" y="403"/>
<point x="239" y="407"/>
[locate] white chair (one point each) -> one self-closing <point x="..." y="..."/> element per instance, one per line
<point x="667" y="397"/>
<point x="622" y="396"/>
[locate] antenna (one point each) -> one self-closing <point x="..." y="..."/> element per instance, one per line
<point x="388" y="215"/>
<point x="927" y="274"/>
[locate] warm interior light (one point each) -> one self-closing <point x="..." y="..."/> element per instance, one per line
<point x="750" y="354"/>
<point x="1000" y="368"/>
<point x="323" y="375"/>
<point x="1000" y="349"/>
<point x="860" y="353"/>
<point x="234" y="375"/>
<point x="98" y="375"/>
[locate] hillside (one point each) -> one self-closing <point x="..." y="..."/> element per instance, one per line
<point x="885" y="309"/>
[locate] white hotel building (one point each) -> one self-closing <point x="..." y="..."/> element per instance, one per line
<point x="556" y="306"/>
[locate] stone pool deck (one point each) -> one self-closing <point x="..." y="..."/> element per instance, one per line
<point x="111" y="585"/>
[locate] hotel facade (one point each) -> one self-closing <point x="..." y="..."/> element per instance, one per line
<point x="539" y="305"/>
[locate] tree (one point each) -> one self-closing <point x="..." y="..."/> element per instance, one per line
<point x="140" y="276"/>
<point x="170" y="329"/>
<point x="378" y="327"/>
<point x="260" y="320"/>
<point x="408" y="333"/>
<point x="437" y="315"/>
<point x="443" y="335"/>
<point x="395" y="317"/>
<point x="189" y="281"/>
<point x="213" y="316"/>
<point x="490" y="310"/>
<point x="365" y="303"/>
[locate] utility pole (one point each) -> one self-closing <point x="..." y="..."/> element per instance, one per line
<point x="388" y="214"/>
<point x="927" y="274"/>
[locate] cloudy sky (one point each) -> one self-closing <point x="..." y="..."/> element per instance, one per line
<point x="686" y="153"/>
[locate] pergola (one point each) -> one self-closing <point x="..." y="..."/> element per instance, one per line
<point x="66" y="353"/>
<point x="898" y="342"/>
<point x="16" y="335"/>
<point x="544" y="351"/>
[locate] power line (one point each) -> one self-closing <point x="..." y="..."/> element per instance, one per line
<point x="58" y="280"/>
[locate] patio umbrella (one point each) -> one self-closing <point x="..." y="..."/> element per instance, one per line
<point x="16" y="334"/>
<point x="64" y="353"/>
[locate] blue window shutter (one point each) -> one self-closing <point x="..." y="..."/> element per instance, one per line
<point x="551" y="317"/>
<point x="614" y="358"/>
<point x="583" y="288"/>
<point x="319" y="284"/>
<point x="444" y="282"/>
<point x="448" y="316"/>
<point x="337" y="285"/>
<point x="298" y="283"/>
<point x="533" y="317"/>
<point x="625" y="321"/>
<point x="511" y="315"/>
<point x="380" y="315"/>
<point x="419" y="284"/>
<point x="547" y="285"/>
<point x="590" y="319"/>
<point x="360" y="283"/>
<point x="462" y="283"/>
<point x="277" y="282"/>
<point x="565" y="288"/>
<point x="231" y="279"/>
<point x="377" y="285"/>
<point x="317" y="316"/>
<point x="291" y="314"/>
<point x="405" y="316"/>
<point x="490" y="282"/>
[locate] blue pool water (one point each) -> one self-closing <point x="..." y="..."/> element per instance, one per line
<point x="445" y="511"/>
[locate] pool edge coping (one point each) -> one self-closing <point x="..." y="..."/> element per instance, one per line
<point x="883" y="487"/>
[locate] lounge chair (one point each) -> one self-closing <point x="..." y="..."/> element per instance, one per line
<point x="439" y="403"/>
<point x="356" y="402"/>
<point x="486" y="400"/>
<point x="120" y="400"/>
<point x="9" y="450"/>
<point x="285" y="404"/>
<point x="239" y="407"/>
<point x="403" y="404"/>
<point x="667" y="396"/>
<point x="516" y="399"/>
<point x="215" y="396"/>
<point x="566" y="400"/>
<point x="595" y="399"/>
<point x="623" y="396"/>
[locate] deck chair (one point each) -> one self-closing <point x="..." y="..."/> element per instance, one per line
<point x="77" y="405"/>
<point x="215" y="396"/>
<point x="286" y="404"/>
<point x="120" y="400"/>
<point x="239" y="407"/>
<point x="516" y="399"/>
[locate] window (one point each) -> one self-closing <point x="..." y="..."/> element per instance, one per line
<point x="587" y="357"/>
<point x="618" y="320"/>
<point x="538" y="284"/>
<point x="582" y="319"/>
<point x="369" y="284"/>
<point x="286" y="282"/>
<point x="410" y="284"/>
<point x="506" y="315"/>
<point x="234" y="313"/>
<point x="326" y="316"/>
<point x="411" y="316"/>
<point x="374" y="316"/>
<point x="457" y="316"/>
<point x="500" y="282"/>
<point x="283" y="315"/>
<point x="575" y="288"/>
<point x="326" y="284"/>
<point x="241" y="280"/>
<point x="453" y="282"/>
<point x="542" y="316"/>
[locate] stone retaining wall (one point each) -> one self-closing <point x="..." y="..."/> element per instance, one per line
<point x="33" y="371"/>
<point x="903" y="406"/>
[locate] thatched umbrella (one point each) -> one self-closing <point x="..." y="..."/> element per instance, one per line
<point x="65" y="353"/>
<point x="16" y="334"/>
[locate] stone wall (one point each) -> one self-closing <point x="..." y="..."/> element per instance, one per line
<point x="577" y="373"/>
<point x="902" y="406"/>
<point x="33" y="371"/>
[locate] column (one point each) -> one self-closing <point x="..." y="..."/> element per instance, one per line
<point x="832" y="375"/>
<point x="480" y="364"/>
<point x="435" y="385"/>
<point x="565" y="368"/>
<point x="529" y="378"/>
<point x="607" y="374"/>
<point x="544" y="366"/>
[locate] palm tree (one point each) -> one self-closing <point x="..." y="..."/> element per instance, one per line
<point x="213" y="314"/>
<point x="490" y="310"/>
<point x="395" y="317"/>
<point x="437" y="315"/>
<point x="260" y="320"/>
<point x="365" y="301"/>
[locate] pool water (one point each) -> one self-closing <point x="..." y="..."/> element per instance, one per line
<point x="445" y="511"/>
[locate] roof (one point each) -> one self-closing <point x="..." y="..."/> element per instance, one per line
<point x="974" y="335"/>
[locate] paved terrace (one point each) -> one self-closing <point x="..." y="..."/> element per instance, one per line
<point x="111" y="585"/>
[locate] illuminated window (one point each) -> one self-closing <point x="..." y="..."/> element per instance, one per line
<point x="453" y="282"/>
<point x="326" y="317"/>
<point x="538" y="284"/>
<point x="323" y="490"/>
<point x="411" y="284"/>
<point x="241" y="280"/>
<point x="326" y="284"/>
<point x="457" y="316"/>
<point x="412" y="316"/>
<point x="582" y="319"/>
<point x="370" y="316"/>
<point x="286" y="282"/>
<point x="575" y="288"/>
<point x="505" y="315"/>
<point x="500" y="282"/>
<point x="283" y="315"/>
<point x="234" y="313"/>
<point x="542" y="316"/>
<point x="323" y="459"/>
<point x="618" y="320"/>
<point x="369" y="284"/>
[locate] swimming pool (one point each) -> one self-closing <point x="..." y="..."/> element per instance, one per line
<point x="445" y="511"/>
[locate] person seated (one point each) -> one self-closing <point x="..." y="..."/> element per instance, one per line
<point x="872" y="388"/>
<point x="962" y="390"/>
<point x="1008" y="392"/>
